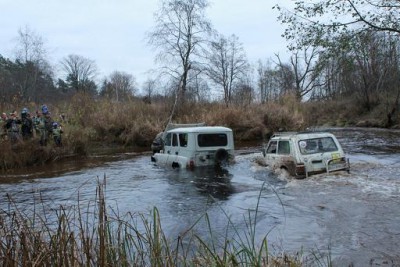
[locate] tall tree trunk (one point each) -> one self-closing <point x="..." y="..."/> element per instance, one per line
<point x="389" y="122"/>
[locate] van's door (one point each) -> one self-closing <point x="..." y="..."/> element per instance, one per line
<point x="172" y="145"/>
<point x="171" y="149"/>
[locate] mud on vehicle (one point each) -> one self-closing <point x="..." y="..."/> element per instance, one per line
<point x="305" y="153"/>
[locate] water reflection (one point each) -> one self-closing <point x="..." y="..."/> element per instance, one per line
<point x="215" y="182"/>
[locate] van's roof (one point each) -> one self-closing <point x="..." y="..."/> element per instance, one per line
<point x="202" y="129"/>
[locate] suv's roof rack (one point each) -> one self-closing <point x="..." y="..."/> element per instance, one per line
<point x="283" y="134"/>
<point x="308" y="131"/>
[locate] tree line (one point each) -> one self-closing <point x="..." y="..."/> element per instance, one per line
<point x="338" y="51"/>
<point x="351" y="50"/>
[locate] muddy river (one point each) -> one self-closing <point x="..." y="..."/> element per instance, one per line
<point x="351" y="218"/>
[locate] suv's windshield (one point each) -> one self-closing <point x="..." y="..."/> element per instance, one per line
<point x="317" y="145"/>
<point x="217" y="139"/>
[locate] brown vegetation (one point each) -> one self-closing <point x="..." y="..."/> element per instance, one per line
<point x="91" y="125"/>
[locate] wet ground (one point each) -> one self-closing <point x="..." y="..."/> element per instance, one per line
<point x="352" y="218"/>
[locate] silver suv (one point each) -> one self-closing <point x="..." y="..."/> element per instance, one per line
<point x="305" y="153"/>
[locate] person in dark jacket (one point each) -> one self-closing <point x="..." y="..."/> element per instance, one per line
<point x="26" y="125"/>
<point x="57" y="131"/>
<point x="12" y="126"/>
<point x="45" y="125"/>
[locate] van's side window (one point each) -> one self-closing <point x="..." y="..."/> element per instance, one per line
<point x="272" y="147"/>
<point x="175" y="140"/>
<point x="183" y="137"/>
<point x="168" y="139"/>
<point x="284" y="147"/>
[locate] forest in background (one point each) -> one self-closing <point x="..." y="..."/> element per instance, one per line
<point x="346" y="54"/>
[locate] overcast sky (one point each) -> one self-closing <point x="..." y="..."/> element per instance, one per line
<point x="112" y="32"/>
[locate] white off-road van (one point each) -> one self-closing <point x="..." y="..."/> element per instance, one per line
<point x="189" y="147"/>
<point x="306" y="153"/>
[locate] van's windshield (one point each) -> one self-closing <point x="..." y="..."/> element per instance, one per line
<point x="212" y="139"/>
<point x="317" y="145"/>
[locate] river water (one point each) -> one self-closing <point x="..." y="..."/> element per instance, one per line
<point x="351" y="218"/>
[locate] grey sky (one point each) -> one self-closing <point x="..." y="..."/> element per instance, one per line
<point x="112" y="33"/>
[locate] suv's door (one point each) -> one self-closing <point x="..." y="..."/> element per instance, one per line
<point x="270" y="151"/>
<point x="284" y="147"/>
<point x="279" y="155"/>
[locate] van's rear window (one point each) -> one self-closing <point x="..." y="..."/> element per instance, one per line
<point x="218" y="139"/>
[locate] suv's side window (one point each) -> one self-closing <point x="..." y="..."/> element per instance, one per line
<point x="272" y="147"/>
<point x="284" y="147"/>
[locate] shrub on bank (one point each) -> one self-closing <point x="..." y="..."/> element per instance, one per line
<point x="27" y="154"/>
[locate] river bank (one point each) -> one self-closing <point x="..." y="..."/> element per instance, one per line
<point x="92" y="127"/>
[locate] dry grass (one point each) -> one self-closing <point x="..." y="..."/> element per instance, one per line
<point x="91" y="124"/>
<point x="99" y="236"/>
<point x="95" y="123"/>
<point x="26" y="154"/>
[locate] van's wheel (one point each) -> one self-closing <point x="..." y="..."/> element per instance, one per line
<point x="175" y="165"/>
<point x="221" y="155"/>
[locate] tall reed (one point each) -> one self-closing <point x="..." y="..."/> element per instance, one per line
<point x="97" y="235"/>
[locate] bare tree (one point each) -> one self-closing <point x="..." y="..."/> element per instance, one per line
<point x="227" y="63"/>
<point x="80" y="72"/>
<point x="374" y="62"/>
<point x="267" y="81"/>
<point x="198" y="88"/>
<point x="181" y="30"/>
<point x="320" y="22"/>
<point x="149" y="87"/>
<point x="121" y="86"/>
<point x="30" y="46"/>
<point x="243" y="94"/>
<point x="31" y="53"/>
<point x="305" y="68"/>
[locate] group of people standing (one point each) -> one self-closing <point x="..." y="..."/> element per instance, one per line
<point x="25" y="127"/>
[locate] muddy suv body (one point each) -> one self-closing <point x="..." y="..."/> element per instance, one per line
<point x="306" y="153"/>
